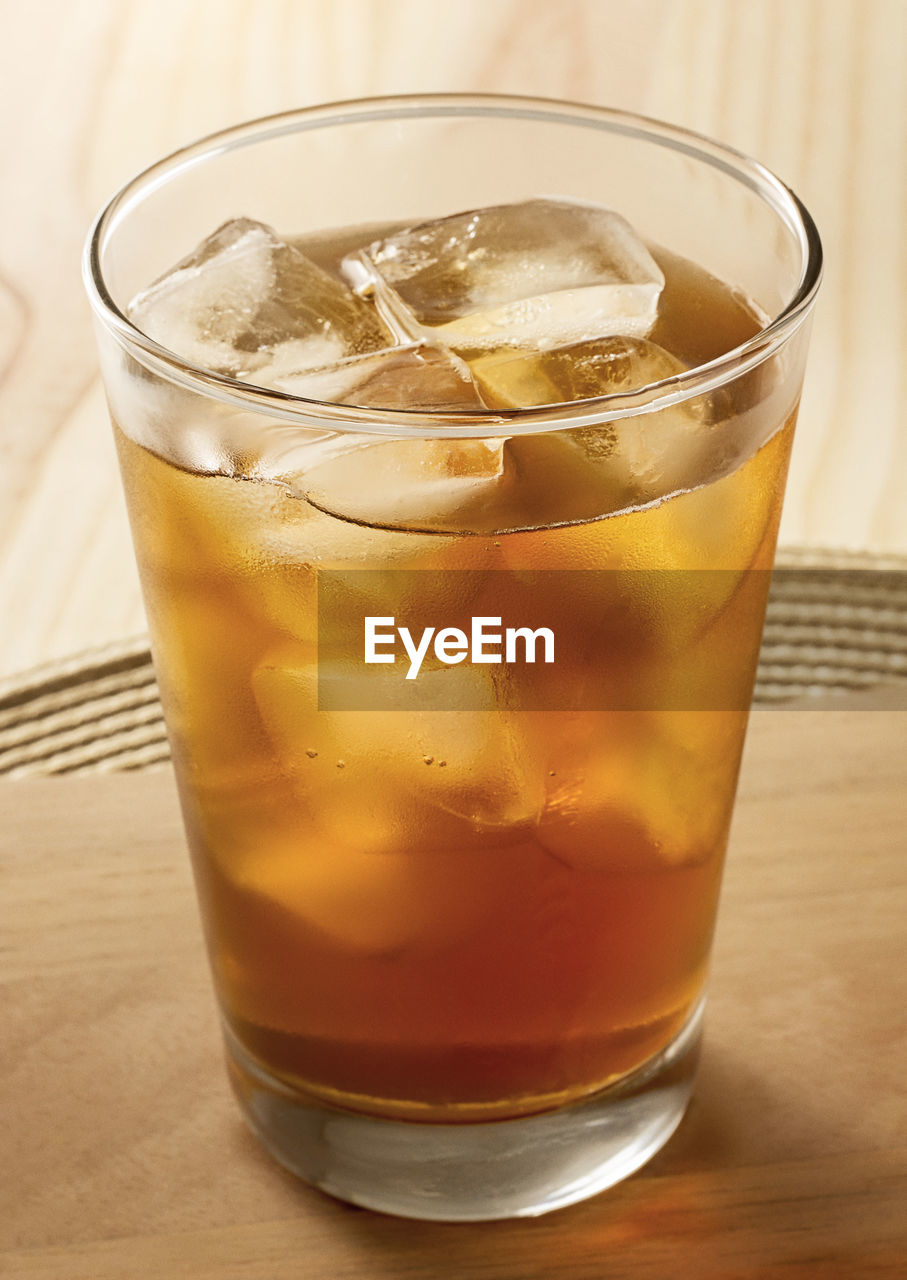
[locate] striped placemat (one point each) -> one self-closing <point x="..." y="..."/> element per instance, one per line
<point x="836" y="622"/>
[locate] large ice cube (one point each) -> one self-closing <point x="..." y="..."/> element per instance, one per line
<point x="649" y="455"/>
<point x="431" y="482"/>
<point x="351" y="884"/>
<point x="364" y="477"/>
<point x="406" y="482"/>
<point x="657" y="791"/>
<point x="415" y="376"/>
<point x="538" y="273"/>
<point x="247" y="304"/>
<point x="439" y="484"/>
<point x="410" y="816"/>
<point x="574" y="371"/>
<point x="428" y="778"/>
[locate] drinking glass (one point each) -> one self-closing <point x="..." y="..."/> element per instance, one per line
<point x="459" y="924"/>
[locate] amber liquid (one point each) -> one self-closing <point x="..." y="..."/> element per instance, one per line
<point x="451" y="917"/>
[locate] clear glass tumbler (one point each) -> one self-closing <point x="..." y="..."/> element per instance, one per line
<point x="459" y="926"/>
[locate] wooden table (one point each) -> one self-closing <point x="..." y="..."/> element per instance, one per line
<point x="124" y="1156"/>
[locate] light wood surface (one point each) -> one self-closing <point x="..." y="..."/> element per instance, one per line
<point x="91" y="92"/>
<point x="124" y="1155"/>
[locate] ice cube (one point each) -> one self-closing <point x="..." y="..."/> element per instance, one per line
<point x="365" y="896"/>
<point x="538" y="273"/>
<point x="247" y="304"/>
<point x="657" y="791"/>
<point x="371" y="478"/>
<point x="415" y="376"/>
<point x="273" y="544"/>
<point x="411" y="817"/>
<point x="576" y="371"/>
<point x="433" y="778"/>
<point x="648" y="455"/>
<point x="349" y="884"/>
<point x="427" y="485"/>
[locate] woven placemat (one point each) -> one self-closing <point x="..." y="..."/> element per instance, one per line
<point x="836" y="622"/>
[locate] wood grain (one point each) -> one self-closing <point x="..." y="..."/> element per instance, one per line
<point x="124" y="1154"/>
<point x="92" y="92"/>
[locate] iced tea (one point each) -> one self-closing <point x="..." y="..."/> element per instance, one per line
<point x="485" y="903"/>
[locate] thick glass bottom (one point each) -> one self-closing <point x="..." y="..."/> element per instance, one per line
<point x="473" y="1172"/>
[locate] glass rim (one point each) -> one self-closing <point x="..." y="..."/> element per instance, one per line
<point x="330" y="416"/>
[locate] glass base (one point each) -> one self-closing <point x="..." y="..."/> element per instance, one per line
<point x="473" y="1172"/>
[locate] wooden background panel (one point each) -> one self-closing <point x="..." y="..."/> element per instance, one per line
<point x="90" y="92"/>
